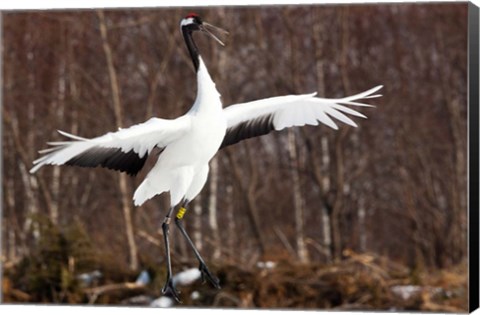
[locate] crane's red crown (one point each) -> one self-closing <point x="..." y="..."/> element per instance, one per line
<point x="192" y="15"/>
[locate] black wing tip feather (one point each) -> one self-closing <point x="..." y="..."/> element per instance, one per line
<point x="248" y="129"/>
<point x="111" y="158"/>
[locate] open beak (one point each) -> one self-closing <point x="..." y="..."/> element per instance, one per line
<point x="214" y="32"/>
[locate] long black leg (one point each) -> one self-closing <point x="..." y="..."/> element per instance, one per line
<point x="169" y="287"/>
<point x="206" y="274"/>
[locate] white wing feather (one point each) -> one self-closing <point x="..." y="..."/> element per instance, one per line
<point x="300" y="110"/>
<point x="141" y="139"/>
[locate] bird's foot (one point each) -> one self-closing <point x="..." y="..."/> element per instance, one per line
<point x="207" y="275"/>
<point x="169" y="290"/>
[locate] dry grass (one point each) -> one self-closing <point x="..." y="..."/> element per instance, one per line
<point x="358" y="282"/>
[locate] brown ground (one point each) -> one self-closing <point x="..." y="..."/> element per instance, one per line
<point x="359" y="282"/>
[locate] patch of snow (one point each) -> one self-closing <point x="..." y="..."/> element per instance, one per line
<point x="162" y="301"/>
<point x="143" y="278"/>
<point x="195" y="295"/>
<point x="186" y="277"/>
<point x="406" y="291"/>
<point x="88" y="278"/>
<point x="266" y="264"/>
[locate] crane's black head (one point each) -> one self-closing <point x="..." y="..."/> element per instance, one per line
<point x="192" y="22"/>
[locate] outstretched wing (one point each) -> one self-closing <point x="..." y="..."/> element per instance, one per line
<point x="125" y="150"/>
<point x="260" y="117"/>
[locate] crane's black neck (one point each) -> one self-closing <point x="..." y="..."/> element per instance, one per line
<point x="192" y="48"/>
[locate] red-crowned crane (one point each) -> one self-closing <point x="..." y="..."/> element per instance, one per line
<point x="189" y="142"/>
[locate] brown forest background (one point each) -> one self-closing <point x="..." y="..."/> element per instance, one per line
<point x="395" y="187"/>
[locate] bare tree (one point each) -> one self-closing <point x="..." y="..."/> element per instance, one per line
<point x="299" y="202"/>
<point x="117" y="106"/>
<point x="212" y="208"/>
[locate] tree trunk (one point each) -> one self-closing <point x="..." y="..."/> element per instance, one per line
<point x="321" y="169"/>
<point x="212" y="207"/>
<point x="9" y="197"/>
<point x="362" y="231"/>
<point x="123" y="186"/>
<point x="231" y="220"/>
<point x="249" y="192"/>
<point x="30" y="182"/>
<point x="54" y="213"/>
<point x="298" y="202"/>
<point x="339" y="158"/>
<point x="456" y="220"/>
<point x="197" y="223"/>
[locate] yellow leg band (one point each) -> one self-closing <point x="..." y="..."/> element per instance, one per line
<point x="181" y="213"/>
